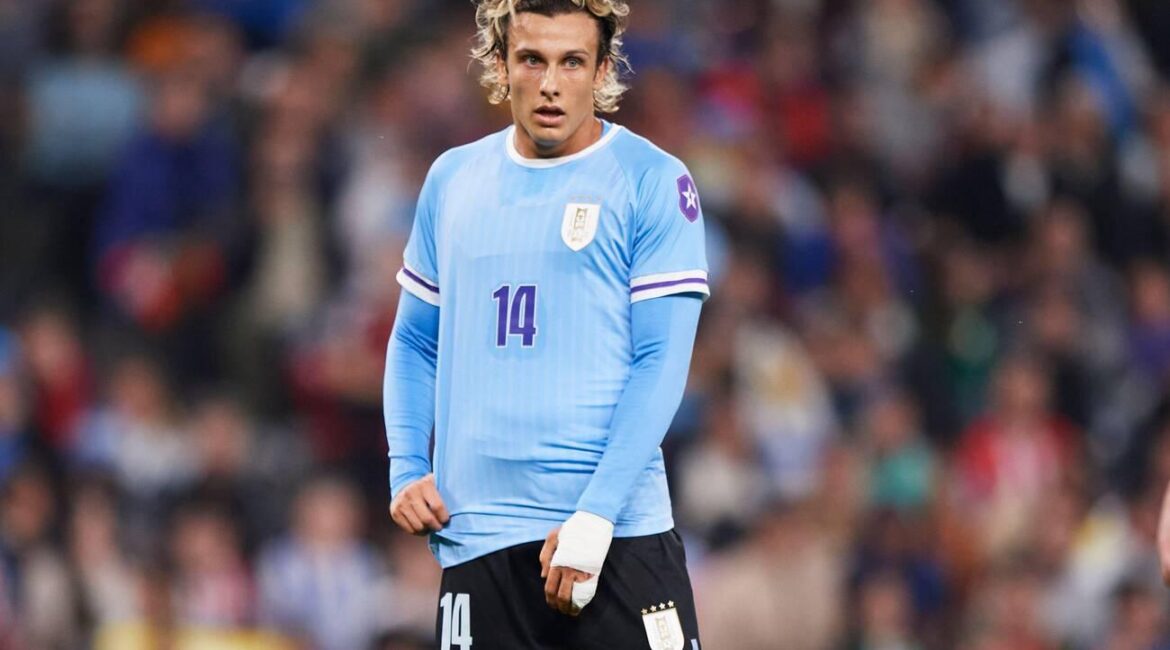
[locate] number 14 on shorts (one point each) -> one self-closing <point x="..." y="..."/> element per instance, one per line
<point x="456" y="632"/>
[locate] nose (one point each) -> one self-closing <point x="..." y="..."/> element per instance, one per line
<point x="550" y="83"/>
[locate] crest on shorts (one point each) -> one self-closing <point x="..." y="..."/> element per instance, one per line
<point x="663" y="629"/>
<point x="579" y="224"/>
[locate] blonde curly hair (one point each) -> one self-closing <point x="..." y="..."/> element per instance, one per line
<point x="492" y="18"/>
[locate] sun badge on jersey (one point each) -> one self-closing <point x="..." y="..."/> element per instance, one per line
<point x="663" y="629"/>
<point x="580" y="224"/>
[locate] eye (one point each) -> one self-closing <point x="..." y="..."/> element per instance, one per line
<point x="574" y="62"/>
<point x="530" y="59"/>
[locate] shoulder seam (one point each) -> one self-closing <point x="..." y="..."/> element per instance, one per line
<point x="631" y="191"/>
<point x="630" y="187"/>
<point x="653" y="147"/>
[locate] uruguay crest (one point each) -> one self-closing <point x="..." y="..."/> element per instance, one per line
<point x="663" y="629"/>
<point x="579" y="225"/>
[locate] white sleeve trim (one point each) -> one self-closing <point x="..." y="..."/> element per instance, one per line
<point x="670" y="291"/>
<point x="419" y="285"/>
<point x="657" y="285"/>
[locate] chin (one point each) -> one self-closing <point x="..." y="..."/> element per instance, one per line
<point x="547" y="138"/>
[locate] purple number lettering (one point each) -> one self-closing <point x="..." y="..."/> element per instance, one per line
<point x="517" y="318"/>
<point x="524" y="314"/>
<point x="501" y="296"/>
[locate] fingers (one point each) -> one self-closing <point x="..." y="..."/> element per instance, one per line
<point x="419" y="508"/>
<point x="424" y="514"/>
<point x="552" y="585"/>
<point x="398" y="521"/>
<point x="399" y="518"/>
<point x="546" y="551"/>
<point x="565" y="592"/>
<point x="559" y="581"/>
<point x="413" y="525"/>
<point x="430" y="495"/>
<point x="558" y="589"/>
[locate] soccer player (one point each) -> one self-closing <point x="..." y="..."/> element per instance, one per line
<point x="553" y="281"/>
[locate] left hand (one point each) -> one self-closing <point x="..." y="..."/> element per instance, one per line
<point x="571" y="561"/>
<point x="559" y="580"/>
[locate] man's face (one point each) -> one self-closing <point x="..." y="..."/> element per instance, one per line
<point x="552" y="71"/>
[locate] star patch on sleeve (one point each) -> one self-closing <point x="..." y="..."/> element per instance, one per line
<point x="688" y="197"/>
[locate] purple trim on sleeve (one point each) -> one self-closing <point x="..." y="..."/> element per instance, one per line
<point x="419" y="280"/>
<point x="669" y="283"/>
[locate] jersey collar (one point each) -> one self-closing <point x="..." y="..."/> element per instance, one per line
<point x="542" y="163"/>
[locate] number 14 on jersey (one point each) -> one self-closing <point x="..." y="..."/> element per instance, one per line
<point x="515" y="314"/>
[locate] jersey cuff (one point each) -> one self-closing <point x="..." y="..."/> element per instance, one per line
<point x="657" y="285"/>
<point x="420" y="286"/>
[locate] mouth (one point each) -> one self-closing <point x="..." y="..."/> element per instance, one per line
<point x="549" y="115"/>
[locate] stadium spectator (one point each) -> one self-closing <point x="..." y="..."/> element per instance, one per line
<point x="36" y="573"/>
<point x="782" y="588"/>
<point x="138" y="435"/>
<point x="213" y="584"/>
<point x="1009" y="461"/>
<point x="103" y="572"/>
<point x="319" y="582"/>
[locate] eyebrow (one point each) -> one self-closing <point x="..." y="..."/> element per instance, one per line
<point x="524" y="51"/>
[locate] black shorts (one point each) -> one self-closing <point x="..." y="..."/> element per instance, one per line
<point x="643" y="600"/>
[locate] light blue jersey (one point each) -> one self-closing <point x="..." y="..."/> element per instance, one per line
<point x="534" y="264"/>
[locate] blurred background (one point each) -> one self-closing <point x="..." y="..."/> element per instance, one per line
<point x="929" y="405"/>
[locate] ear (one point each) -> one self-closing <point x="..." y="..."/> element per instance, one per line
<point x="501" y="70"/>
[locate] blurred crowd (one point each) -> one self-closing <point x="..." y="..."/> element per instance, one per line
<point x="929" y="405"/>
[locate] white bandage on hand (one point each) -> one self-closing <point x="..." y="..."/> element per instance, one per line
<point x="583" y="544"/>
